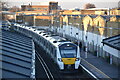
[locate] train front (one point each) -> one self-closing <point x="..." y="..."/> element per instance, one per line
<point x="69" y="59"/>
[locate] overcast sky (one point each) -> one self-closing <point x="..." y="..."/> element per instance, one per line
<point x="69" y="3"/>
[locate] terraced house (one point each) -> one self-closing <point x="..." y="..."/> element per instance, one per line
<point x="95" y="28"/>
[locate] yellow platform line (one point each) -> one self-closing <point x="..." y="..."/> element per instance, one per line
<point x="97" y="69"/>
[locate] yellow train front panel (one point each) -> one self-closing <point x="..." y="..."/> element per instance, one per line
<point x="68" y="60"/>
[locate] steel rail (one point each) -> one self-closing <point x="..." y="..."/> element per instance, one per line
<point x="47" y="71"/>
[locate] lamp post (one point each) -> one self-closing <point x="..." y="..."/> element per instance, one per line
<point x="97" y="46"/>
<point x="51" y="23"/>
<point x="78" y="33"/>
<point x="82" y="31"/>
<point x="58" y="27"/>
<point x="92" y="38"/>
<point x="15" y="16"/>
<point x="110" y="54"/>
<point x="70" y="30"/>
<point x="86" y="42"/>
<point x="63" y="29"/>
<point x="54" y="26"/>
<point x="34" y="20"/>
<point x="86" y="49"/>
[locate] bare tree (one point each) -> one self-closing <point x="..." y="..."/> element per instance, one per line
<point x="89" y="5"/>
<point x="4" y="6"/>
<point x="119" y="4"/>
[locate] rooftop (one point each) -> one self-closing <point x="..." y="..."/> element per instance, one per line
<point x="97" y="9"/>
<point x="113" y="42"/>
<point x="16" y="55"/>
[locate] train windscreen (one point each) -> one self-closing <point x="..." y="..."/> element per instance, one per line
<point x="68" y="50"/>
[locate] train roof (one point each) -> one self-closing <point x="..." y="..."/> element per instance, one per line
<point x="58" y="38"/>
<point x="54" y="39"/>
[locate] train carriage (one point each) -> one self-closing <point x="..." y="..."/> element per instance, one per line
<point x="65" y="53"/>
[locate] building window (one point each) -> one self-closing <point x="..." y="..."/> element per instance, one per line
<point x="105" y="13"/>
<point x="45" y="8"/>
<point x="98" y="23"/>
<point x="39" y="8"/>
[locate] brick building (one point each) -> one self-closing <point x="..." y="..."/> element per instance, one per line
<point x="41" y="8"/>
<point x="115" y="11"/>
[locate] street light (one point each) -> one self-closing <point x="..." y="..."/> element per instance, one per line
<point x="86" y="38"/>
<point x="55" y="28"/>
<point x="50" y="23"/>
<point x="82" y="30"/>
<point x="58" y="29"/>
<point x="86" y="49"/>
<point x="70" y="30"/>
<point x="34" y="20"/>
<point x="78" y="32"/>
<point x="86" y="42"/>
<point x="63" y="30"/>
<point x="97" y="45"/>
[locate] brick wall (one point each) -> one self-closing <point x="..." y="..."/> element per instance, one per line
<point x="41" y="22"/>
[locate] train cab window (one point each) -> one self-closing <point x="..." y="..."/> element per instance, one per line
<point x="68" y="50"/>
<point x="46" y="36"/>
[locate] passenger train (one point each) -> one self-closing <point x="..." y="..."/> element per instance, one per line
<point x="65" y="53"/>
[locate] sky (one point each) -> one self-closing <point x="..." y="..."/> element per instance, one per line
<point x="68" y="4"/>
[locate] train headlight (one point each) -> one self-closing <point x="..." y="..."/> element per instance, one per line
<point x="77" y="59"/>
<point x="59" y="59"/>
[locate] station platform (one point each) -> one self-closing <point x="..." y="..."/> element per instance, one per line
<point x="99" y="67"/>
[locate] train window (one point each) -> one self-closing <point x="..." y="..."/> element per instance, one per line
<point x="50" y="49"/>
<point x="40" y="39"/>
<point x="44" y="34"/>
<point x="43" y="42"/>
<point x="54" y="41"/>
<point x="40" y="32"/>
<point x="54" y="52"/>
<point x="47" y="44"/>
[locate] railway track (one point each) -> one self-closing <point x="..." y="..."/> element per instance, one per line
<point x="45" y="67"/>
<point x="45" y="58"/>
<point x="53" y="68"/>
